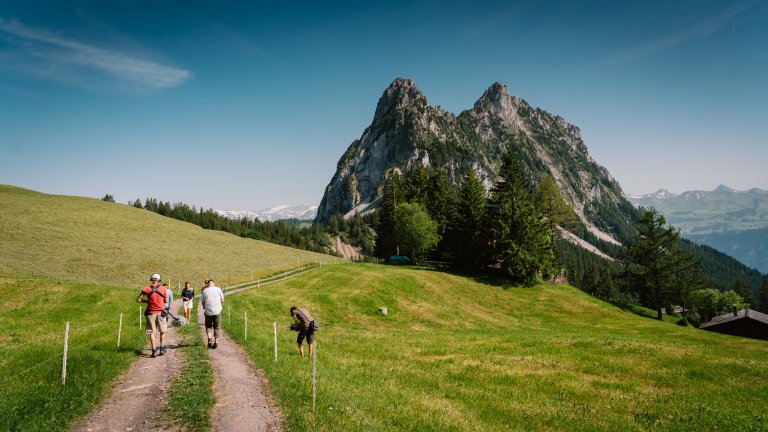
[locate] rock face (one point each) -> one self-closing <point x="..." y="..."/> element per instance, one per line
<point x="406" y="131"/>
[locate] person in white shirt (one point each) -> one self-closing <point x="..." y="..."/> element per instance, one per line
<point x="212" y="299"/>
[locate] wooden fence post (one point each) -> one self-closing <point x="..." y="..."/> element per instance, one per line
<point x="274" y="324"/>
<point x="120" y="330"/>
<point x="246" y="325"/>
<point x="314" y="377"/>
<point x="66" y="348"/>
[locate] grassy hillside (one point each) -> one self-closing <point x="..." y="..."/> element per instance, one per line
<point x="72" y="259"/>
<point x="33" y="314"/>
<point x="87" y="240"/>
<point x="454" y="354"/>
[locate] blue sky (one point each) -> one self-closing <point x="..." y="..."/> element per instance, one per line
<point x="246" y="105"/>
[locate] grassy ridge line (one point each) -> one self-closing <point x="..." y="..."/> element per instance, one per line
<point x="457" y="355"/>
<point x="33" y="317"/>
<point x="85" y="239"/>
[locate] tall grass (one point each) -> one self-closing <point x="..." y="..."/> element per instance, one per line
<point x="454" y="354"/>
<point x="31" y="346"/>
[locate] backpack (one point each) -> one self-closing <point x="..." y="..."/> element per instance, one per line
<point x="149" y="296"/>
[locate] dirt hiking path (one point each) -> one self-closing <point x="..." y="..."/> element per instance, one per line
<point x="243" y="402"/>
<point x="140" y="393"/>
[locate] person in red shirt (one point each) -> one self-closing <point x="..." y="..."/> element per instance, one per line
<point x="156" y="297"/>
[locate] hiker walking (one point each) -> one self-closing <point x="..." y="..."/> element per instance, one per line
<point x="156" y="297"/>
<point x="305" y="325"/>
<point x="212" y="299"/>
<point x="168" y="300"/>
<point x="187" y="297"/>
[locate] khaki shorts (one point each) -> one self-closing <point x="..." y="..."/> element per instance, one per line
<point x="154" y="321"/>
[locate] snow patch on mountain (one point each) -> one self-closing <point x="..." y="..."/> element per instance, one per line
<point x="283" y="211"/>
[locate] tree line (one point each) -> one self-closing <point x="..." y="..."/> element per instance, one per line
<point x="284" y="232"/>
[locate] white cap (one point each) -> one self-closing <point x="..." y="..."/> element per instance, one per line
<point x="155" y="276"/>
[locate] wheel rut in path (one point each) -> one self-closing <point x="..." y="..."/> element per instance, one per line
<point x="140" y="393"/>
<point x="243" y="402"/>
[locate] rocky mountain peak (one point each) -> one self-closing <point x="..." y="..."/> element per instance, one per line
<point x="400" y="94"/>
<point x="497" y="102"/>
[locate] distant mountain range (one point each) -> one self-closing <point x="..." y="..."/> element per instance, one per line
<point x="732" y="221"/>
<point x="285" y="211"/>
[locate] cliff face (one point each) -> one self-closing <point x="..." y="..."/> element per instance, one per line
<point x="406" y="131"/>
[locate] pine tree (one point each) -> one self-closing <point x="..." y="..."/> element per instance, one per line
<point x="416" y="186"/>
<point x="466" y="233"/>
<point x="519" y="238"/>
<point x="655" y="261"/>
<point x="764" y="295"/>
<point x="553" y="207"/>
<point x="392" y="197"/>
<point x="438" y="199"/>
<point x="740" y="287"/>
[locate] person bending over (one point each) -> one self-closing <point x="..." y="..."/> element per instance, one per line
<point x="303" y="322"/>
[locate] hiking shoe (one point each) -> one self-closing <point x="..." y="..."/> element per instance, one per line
<point x="210" y="344"/>
<point x="215" y="345"/>
<point x="154" y="354"/>
<point x="162" y="350"/>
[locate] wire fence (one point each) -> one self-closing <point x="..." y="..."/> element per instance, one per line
<point x="341" y="390"/>
<point x="79" y="331"/>
<point x="71" y="331"/>
<point x="247" y="326"/>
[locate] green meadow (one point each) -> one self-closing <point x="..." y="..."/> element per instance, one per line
<point x="88" y="240"/>
<point x="82" y="261"/>
<point x="455" y="354"/>
<point x="33" y="317"/>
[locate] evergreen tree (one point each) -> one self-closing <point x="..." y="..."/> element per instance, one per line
<point x="689" y="282"/>
<point x="574" y="275"/>
<point x="655" y="261"/>
<point x="467" y="236"/>
<point x="392" y="197"/>
<point x="137" y="203"/>
<point x="519" y="238"/>
<point x="764" y="295"/>
<point x="437" y="202"/>
<point x="108" y="198"/>
<point x="553" y="207"/>
<point x="740" y="288"/>
<point x="416" y="185"/>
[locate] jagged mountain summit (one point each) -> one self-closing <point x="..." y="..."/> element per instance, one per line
<point x="406" y="131"/>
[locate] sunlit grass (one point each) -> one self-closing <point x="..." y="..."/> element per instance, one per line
<point x="455" y="354"/>
<point x="32" y="341"/>
<point x="88" y="240"/>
